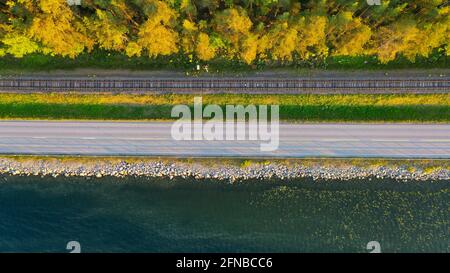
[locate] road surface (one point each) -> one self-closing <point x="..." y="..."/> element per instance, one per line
<point x="154" y="139"/>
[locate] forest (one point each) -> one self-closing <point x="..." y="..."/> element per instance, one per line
<point x="247" y="31"/>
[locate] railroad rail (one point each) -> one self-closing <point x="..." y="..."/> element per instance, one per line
<point x="230" y="85"/>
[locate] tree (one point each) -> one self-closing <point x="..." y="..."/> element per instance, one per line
<point x="280" y="41"/>
<point x="3" y="31"/>
<point x="427" y="38"/>
<point x="157" y="35"/>
<point x="249" y="48"/>
<point x="108" y="33"/>
<point x="348" y="35"/>
<point x="133" y="49"/>
<point x="204" y="50"/>
<point x="18" y="45"/>
<point x="311" y="36"/>
<point x="13" y="37"/>
<point x="189" y="36"/>
<point x="56" y="27"/>
<point x="395" y="38"/>
<point x="233" y="25"/>
<point x="281" y="31"/>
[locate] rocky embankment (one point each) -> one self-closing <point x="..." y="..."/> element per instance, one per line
<point x="230" y="172"/>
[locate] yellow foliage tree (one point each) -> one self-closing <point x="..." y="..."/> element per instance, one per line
<point x="194" y="40"/>
<point x="189" y="35"/>
<point x="348" y="35"/>
<point x="280" y="41"/>
<point x="394" y="39"/>
<point x="244" y="30"/>
<point x="58" y="30"/>
<point x="133" y="49"/>
<point x="427" y="38"/>
<point x="204" y="50"/>
<point x="18" y="45"/>
<point x="264" y="44"/>
<point x="445" y="13"/>
<point x="234" y="26"/>
<point x="431" y="35"/>
<point x="3" y="31"/>
<point x="108" y="34"/>
<point x="311" y="36"/>
<point x="157" y="35"/>
<point x="249" y="48"/>
<point x="13" y="40"/>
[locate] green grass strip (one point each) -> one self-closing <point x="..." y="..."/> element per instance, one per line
<point x="401" y="113"/>
<point x="101" y="59"/>
<point x="395" y="108"/>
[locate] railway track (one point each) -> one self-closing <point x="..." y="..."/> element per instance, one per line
<point x="227" y="85"/>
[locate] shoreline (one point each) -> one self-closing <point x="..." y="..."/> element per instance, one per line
<point x="226" y="170"/>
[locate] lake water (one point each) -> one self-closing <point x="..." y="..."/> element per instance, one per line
<point x="156" y="215"/>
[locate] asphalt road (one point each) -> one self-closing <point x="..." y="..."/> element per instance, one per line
<point x="154" y="139"/>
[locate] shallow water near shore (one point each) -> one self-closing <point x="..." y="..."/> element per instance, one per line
<point x="185" y="215"/>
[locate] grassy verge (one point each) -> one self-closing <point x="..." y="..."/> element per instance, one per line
<point x="100" y="59"/>
<point x="398" y="108"/>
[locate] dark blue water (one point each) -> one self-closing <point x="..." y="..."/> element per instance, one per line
<point x="154" y="215"/>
